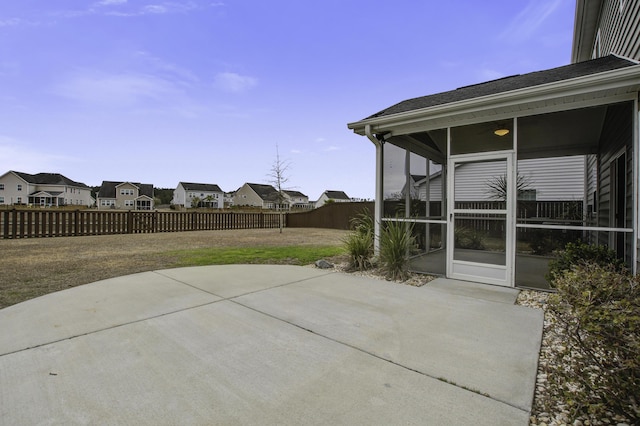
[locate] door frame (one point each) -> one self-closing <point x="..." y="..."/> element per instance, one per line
<point x="472" y="271"/>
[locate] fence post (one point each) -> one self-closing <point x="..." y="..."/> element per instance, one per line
<point x="129" y="222"/>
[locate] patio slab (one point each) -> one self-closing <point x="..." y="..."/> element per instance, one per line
<point x="306" y="347"/>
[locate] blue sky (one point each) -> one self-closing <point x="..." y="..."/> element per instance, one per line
<point x="160" y="92"/>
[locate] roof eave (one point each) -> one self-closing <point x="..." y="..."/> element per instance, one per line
<point x="585" y="29"/>
<point x="628" y="76"/>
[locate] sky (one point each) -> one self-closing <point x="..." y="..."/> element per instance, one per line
<point x="209" y="91"/>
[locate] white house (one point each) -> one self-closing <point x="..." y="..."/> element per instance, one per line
<point x="43" y="189"/>
<point x="548" y="179"/>
<point x="206" y="194"/>
<point x="332" y="197"/>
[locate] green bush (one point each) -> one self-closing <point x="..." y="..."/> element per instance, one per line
<point x="395" y="242"/>
<point x="469" y="238"/>
<point x="574" y="253"/>
<point x="598" y="370"/>
<point x="359" y="242"/>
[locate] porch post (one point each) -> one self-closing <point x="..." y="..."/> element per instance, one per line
<point x="636" y="182"/>
<point x="379" y="194"/>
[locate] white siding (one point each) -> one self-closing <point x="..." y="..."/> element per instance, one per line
<point x="619" y="28"/>
<point x="554" y="179"/>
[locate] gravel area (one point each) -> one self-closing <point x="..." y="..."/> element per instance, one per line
<point x="552" y="341"/>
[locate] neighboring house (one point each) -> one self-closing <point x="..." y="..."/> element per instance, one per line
<point x="257" y="195"/>
<point x="125" y="196"/>
<point x="332" y="197"/>
<point x="297" y="200"/>
<point x="580" y="119"/>
<point x="267" y="197"/>
<point x="228" y="198"/>
<point x="43" y="189"/>
<point x="207" y="195"/>
<point x="549" y="179"/>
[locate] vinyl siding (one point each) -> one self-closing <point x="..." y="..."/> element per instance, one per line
<point x="554" y="179"/>
<point x="618" y="29"/>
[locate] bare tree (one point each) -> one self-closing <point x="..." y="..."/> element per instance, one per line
<point x="278" y="178"/>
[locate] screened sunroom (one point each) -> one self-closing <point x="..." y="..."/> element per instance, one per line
<point x="492" y="179"/>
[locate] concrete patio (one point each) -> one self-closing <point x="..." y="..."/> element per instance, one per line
<point x="264" y="344"/>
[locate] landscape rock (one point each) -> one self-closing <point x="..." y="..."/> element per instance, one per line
<point x="323" y="264"/>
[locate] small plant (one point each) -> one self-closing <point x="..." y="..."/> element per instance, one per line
<point x="468" y="238"/>
<point x="575" y="253"/>
<point x="395" y="242"/>
<point x="359" y="242"/>
<point x="598" y="369"/>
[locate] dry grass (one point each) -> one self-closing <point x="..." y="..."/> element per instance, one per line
<point x="33" y="267"/>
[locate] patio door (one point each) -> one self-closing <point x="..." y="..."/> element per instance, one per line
<point x="481" y="218"/>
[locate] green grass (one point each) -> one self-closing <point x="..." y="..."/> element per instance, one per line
<point x="291" y="255"/>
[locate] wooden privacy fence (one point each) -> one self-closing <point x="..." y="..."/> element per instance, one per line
<point x="333" y="215"/>
<point x="35" y="223"/>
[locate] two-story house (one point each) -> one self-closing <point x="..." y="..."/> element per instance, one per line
<point x="43" y="189"/>
<point x="332" y="197"/>
<point x="582" y="117"/>
<point x="125" y="196"/>
<point x="204" y="195"/>
<point x="267" y="197"/>
<point x="297" y="200"/>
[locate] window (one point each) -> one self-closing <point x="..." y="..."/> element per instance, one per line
<point x="107" y="203"/>
<point x="19" y="200"/>
<point x="1" y="200"/>
<point x="19" y="188"/>
<point x="1" y="186"/>
<point x="527" y="195"/>
<point x="126" y="191"/>
<point x="129" y="203"/>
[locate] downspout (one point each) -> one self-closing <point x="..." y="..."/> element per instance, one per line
<point x="378" y="202"/>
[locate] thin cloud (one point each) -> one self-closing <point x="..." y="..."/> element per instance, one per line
<point x="11" y="22"/>
<point x="235" y="83"/>
<point x="18" y="156"/>
<point x="117" y="89"/>
<point x="110" y="2"/>
<point x="527" y="22"/>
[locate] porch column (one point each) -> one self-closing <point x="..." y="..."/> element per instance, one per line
<point x="379" y="191"/>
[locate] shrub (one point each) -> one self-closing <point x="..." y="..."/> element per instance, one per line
<point x="574" y="253"/>
<point x="598" y="370"/>
<point x="359" y="242"/>
<point x="469" y="238"/>
<point x="395" y="242"/>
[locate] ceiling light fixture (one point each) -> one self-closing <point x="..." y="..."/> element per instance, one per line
<point x="501" y="132"/>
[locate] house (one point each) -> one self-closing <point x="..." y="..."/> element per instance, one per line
<point x="548" y="179"/>
<point x="257" y="195"/>
<point x="206" y="195"/>
<point x="297" y="200"/>
<point x="494" y="133"/>
<point x="267" y="197"/>
<point x="125" y="196"/>
<point x="332" y="197"/>
<point x="43" y="189"/>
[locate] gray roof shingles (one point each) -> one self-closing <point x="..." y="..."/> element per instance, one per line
<point x="108" y="189"/>
<point x="207" y="187"/>
<point x="507" y="84"/>
<point x="50" y="179"/>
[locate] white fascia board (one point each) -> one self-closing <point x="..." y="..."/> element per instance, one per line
<point x="608" y="80"/>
